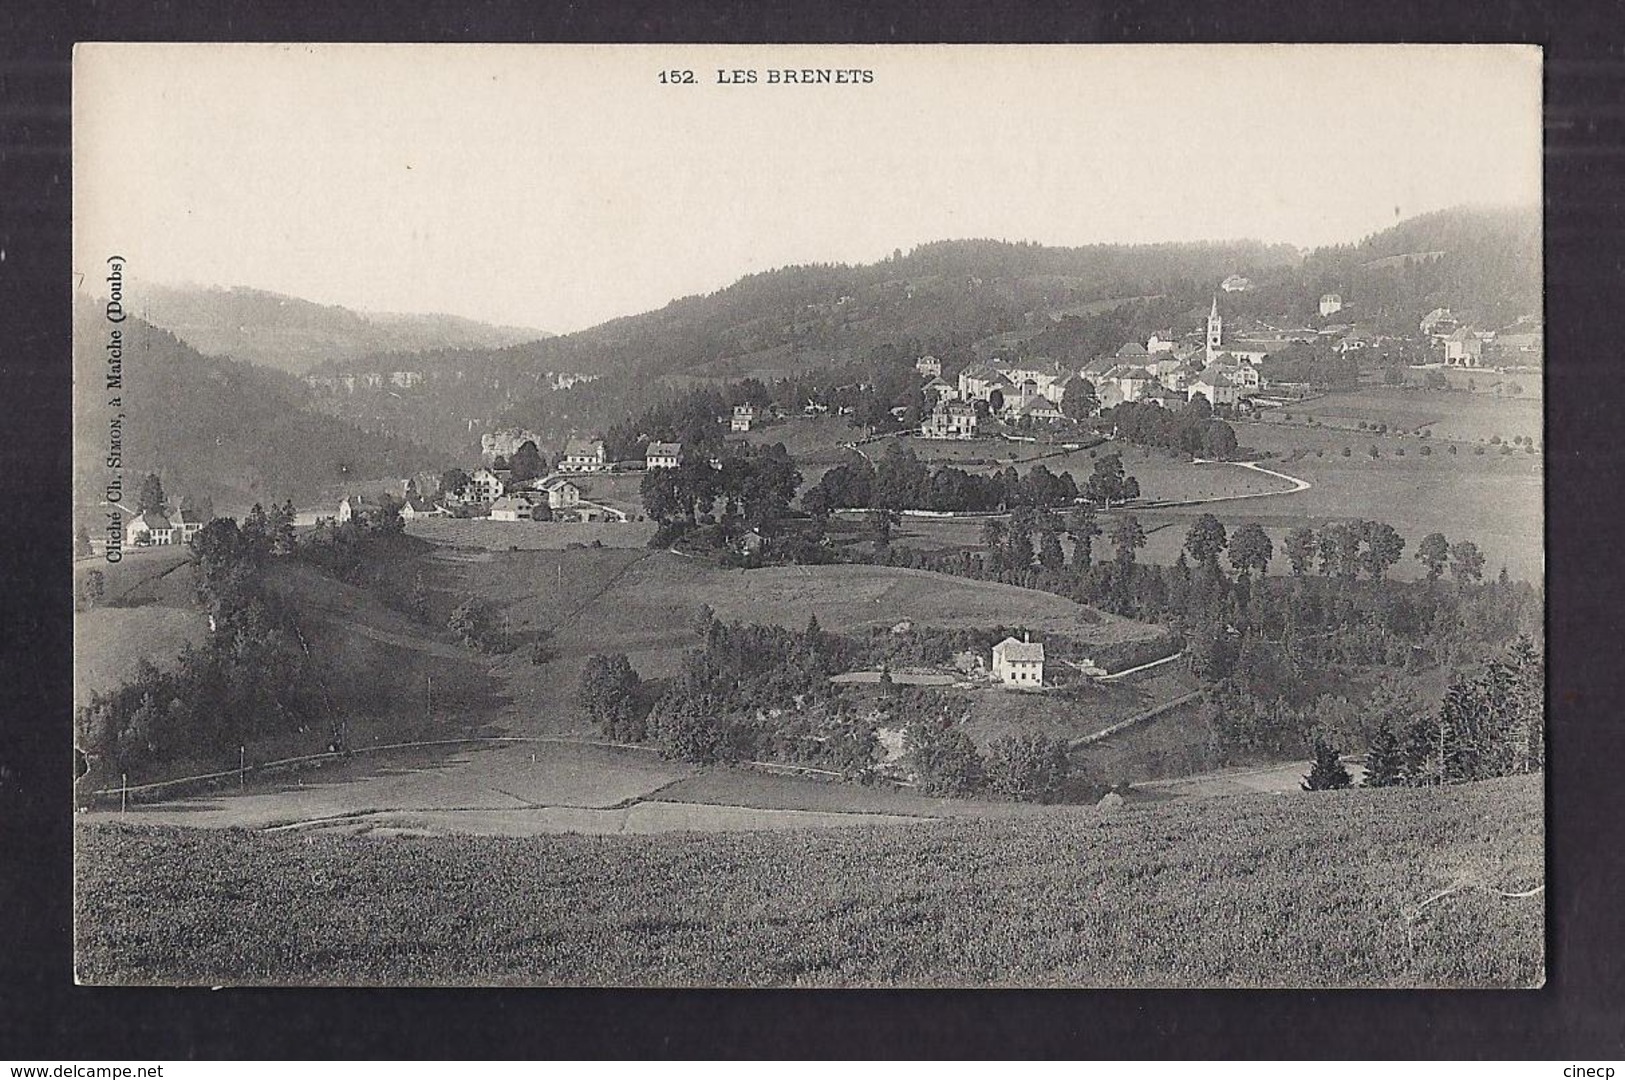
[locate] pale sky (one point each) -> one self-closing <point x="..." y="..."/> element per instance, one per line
<point x="558" y="186"/>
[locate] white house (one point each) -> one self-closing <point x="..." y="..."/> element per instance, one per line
<point x="929" y="365"/>
<point x="583" y="455"/>
<point x="149" y="528"/>
<point x="1236" y="283"/>
<point x="950" y="420"/>
<point x="663" y="455"/>
<point x="743" y="417"/>
<point x="486" y="486"/>
<point x="1019" y="663"/>
<point x="520" y="506"/>
<point x="1330" y="304"/>
<point x="1463" y="349"/>
<point x="186" y="523"/>
<point x="561" y="494"/>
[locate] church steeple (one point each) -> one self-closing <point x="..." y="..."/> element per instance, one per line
<point x="1215" y="330"/>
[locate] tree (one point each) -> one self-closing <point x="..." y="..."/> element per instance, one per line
<point x="1028" y="768"/>
<point x="1127" y="537"/>
<point x="527" y="463"/>
<point x="1433" y="552"/>
<point x="1204" y="540"/>
<point x="994" y="535"/>
<point x="1078" y="399"/>
<point x="1300" y="549"/>
<point x="608" y="692"/>
<point x="419" y="600"/>
<point x="1082" y="527"/>
<point x="880" y="525"/>
<point x="1466" y="562"/>
<point x="453" y="481"/>
<point x="1384" y="761"/>
<point x="92" y="588"/>
<point x="1327" y="773"/>
<point x="1383" y="547"/>
<point x="1108" y="483"/>
<point x="151" y="498"/>
<point x="81" y="543"/>
<point x="1251" y="549"/>
<point x="471" y="621"/>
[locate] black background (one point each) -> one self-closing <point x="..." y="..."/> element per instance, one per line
<point x="1579" y="1015"/>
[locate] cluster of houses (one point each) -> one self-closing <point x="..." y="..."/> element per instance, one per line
<point x="1164" y="370"/>
<point x="1460" y="345"/>
<point x="153" y="529"/>
<point x="1170" y="371"/>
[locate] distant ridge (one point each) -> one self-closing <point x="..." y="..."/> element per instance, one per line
<point x="294" y="335"/>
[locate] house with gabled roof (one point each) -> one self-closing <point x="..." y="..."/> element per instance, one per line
<point x="583" y="455"/>
<point x="1019" y="663"/>
<point x="663" y="455"/>
<point x="561" y="493"/>
<point x="1463" y="348"/>
<point x="149" y="529"/>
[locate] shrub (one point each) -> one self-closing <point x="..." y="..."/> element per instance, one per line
<point x="1347" y="452"/>
<point x="942" y="757"/>
<point x="1427" y="451"/>
<point x="1028" y="768"/>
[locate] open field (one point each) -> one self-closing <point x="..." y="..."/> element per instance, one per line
<point x="1455" y="416"/>
<point x="1397" y="887"/>
<point x="487" y="535"/>
<point x="109" y="643"/>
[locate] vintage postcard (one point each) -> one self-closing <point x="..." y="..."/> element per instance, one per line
<point x="808" y="516"/>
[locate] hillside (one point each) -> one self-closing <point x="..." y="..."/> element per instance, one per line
<point x="294" y="335"/>
<point x="212" y="428"/>
<point x="1392" y="887"/>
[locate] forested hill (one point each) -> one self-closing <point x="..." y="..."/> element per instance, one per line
<point x="231" y="432"/>
<point x="295" y="335"/>
<point x="1483" y="263"/>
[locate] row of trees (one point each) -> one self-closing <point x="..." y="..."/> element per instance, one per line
<point x="754" y="485"/>
<point x="901" y="481"/>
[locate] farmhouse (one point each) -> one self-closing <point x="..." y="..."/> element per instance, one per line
<point x="950" y="420"/>
<point x="1018" y="663"/>
<point x="416" y="506"/>
<point x="561" y="493"/>
<point x="929" y="365"/>
<point x="149" y="528"/>
<point x="186" y="523"/>
<point x="1463" y="348"/>
<point x="663" y="455"/>
<point x="583" y="455"/>
<point x="520" y="506"/>
<point x="1330" y="304"/>
<point x="743" y="417"/>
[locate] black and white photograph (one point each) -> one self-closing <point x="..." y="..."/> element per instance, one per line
<point x="838" y="516"/>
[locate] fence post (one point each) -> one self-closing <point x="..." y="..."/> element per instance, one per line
<point x="123" y="791"/>
<point x="242" y="762"/>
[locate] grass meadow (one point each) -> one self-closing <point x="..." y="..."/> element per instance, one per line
<point x="1397" y="887"/>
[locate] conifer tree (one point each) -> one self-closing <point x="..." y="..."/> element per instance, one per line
<point x="1327" y="773"/>
<point x="1384" y="763"/>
